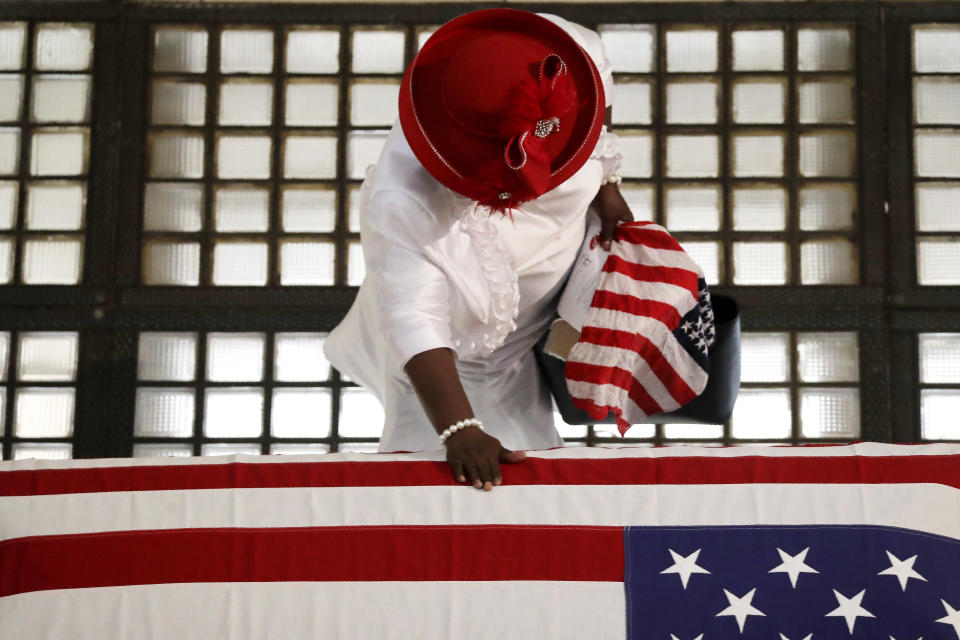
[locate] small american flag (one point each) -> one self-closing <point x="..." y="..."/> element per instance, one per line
<point x="645" y="347"/>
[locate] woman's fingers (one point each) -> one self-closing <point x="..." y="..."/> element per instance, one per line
<point x="485" y="476"/>
<point x="457" y="467"/>
<point x="511" y="457"/>
<point x="606" y="232"/>
<point x="473" y="474"/>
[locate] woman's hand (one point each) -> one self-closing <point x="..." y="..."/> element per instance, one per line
<point x="473" y="454"/>
<point x="612" y="210"/>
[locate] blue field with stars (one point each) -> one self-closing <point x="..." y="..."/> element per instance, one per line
<point x="791" y="583"/>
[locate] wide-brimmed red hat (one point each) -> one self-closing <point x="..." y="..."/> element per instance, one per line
<point x="501" y="105"/>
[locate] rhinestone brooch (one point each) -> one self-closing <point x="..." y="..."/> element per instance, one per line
<point x="504" y="195"/>
<point x="545" y="127"/>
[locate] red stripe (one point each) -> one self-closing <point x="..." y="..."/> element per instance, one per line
<point x="493" y="552"/>
<point x="937" y="469"/>
<point x="594" y="410"/>
<point x="665" y="313"/>
<point x="658" y="363"/>
<point x="653" y="238"/>
<point x="646" y="273"/>
<point x="600" y="374"/>
<point x="600" y="412"/>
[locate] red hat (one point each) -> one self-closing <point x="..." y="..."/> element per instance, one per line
<point x="501" y="105"/>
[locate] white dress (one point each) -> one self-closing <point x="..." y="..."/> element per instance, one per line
<point x="442" y="273"/>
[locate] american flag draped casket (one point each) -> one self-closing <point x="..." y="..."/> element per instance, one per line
<point x="798" y="543"/>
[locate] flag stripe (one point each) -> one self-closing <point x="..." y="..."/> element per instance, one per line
<point x="679" y="390"/>
<point x="817" y="449"/>
<point x="664" y="258"/>
<point x="690" y="469"/>
<point x="653" y="236"/>
<point x="661" y="311"/>
<point x="603" y="394"/>
<point x="671" y="275"/>
<point x="311" y="554"/>
<point x="320" y="610"/>
<point x="919" y="507"/>
<point x="596" y="411"/>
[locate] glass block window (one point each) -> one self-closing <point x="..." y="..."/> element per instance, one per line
<point x="939" y="373"/>
<point x="210" y="393"/>
<point x="45" y="94"/>
<point x="257" y="139"/>
<point x="936" y="138"/>
<point x="38" y="374"/>
<point x="215" y="245"/>
<point x="742" y="141"/>
<point x="798" y="386"/>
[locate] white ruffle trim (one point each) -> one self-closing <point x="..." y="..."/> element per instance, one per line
<point x="501" y="278"/>
<point x="607" y="152"/>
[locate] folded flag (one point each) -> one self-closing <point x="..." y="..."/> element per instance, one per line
<point x="645" y="346"/>
<point x="818" y="543"/>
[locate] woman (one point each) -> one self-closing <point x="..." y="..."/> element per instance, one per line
<point x="470" y="222"/>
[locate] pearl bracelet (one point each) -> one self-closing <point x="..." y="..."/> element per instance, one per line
<point x="612" y="179"/>
<point x="463" y="424"/>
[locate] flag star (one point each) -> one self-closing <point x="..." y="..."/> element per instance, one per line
<point x="952" y="618"/>
<point x="892" y="638"/>
<point x="903" y="569"/>
<point x="740" y="608"/>
<point x="687" y="326"/>
<point x="793" y="566"/>
<point x="684" y="566"/>
<point x="808" y="637"/>
<point x="850" y="608"/>
<point x="699" y="637"/>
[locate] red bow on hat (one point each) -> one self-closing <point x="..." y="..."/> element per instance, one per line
<point x="533" y="112"/>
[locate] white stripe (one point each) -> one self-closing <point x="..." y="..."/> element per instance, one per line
<point x="655" y="331"/>
<point x="608" y="395"/>
<point x="930" y="508"/>
<point x="842" y="450"/>
<point x="300" y="610"/>
<point x="674" y="295"/>
<point x="642" y="254"/>
<point x="838" y="450"/>
<point x="613" y="396"/>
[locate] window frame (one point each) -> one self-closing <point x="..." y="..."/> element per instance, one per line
<point x="110" y="306"/>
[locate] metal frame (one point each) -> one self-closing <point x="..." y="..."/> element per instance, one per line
<point x="109" y="307"/>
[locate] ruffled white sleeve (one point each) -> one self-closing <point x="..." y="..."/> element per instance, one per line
<point x="412" y="291"/>
<point x="608" y="152"/>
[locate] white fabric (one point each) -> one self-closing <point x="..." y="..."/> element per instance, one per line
<point x="441" y="273"/>
<point x="567" y="453"/>
<point x="930" y="508"/>
<point x="342" y="610"/>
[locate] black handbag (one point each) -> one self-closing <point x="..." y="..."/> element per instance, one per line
<point x="713" y="406"/>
